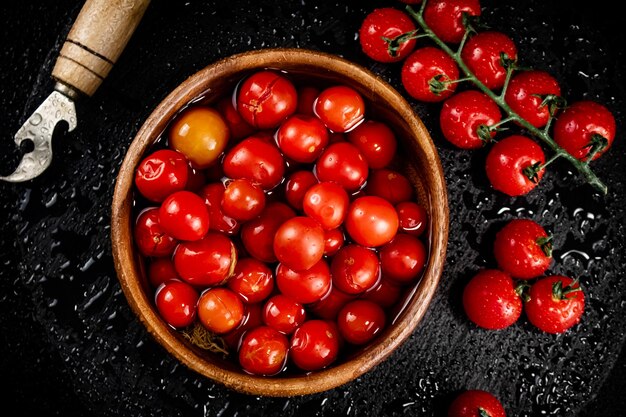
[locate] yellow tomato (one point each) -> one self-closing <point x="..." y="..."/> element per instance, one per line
<point x="200" y="133"/>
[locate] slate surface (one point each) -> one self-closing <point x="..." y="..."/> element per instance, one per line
<point x="71" y="346"/>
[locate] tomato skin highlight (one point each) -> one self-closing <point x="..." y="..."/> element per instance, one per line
<point x="162" y="173"/>
<point x="424" y="65"/>
<point x="371" y="221"/>
<point x="340" y="108"/>
<point x="206" y="262"/>
<point x="524" y="95"/>
<point x="299" y="243"/>
<point x="481" y="54"/>
<point x="519" y="249"/>
<point x="176" y="303"/>
<point x="184" y="216"/>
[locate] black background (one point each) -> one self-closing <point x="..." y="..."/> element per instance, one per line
<point x="69" y="343"/>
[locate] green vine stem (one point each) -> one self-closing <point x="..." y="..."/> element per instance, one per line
<point x="581" y="166"/>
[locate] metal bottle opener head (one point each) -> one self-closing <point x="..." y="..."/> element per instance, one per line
<point x="39" y="129"/>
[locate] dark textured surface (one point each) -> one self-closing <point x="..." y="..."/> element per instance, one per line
<point x="69" y="343"/>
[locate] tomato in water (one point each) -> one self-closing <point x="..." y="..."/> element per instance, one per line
<point x="371" y="221"/>
<point x="242" y="200"/>
<point x="206" y="262"/>
<point x="306" y="100"/>
<point x="150" y="237"/>
<point x="266" y="98"/>
<point x="213" y="194"/>
<point x="299" y="243"/>
<point x="343" y="163"/>
<point x="355" y="269"/>
<point x="333" y="241"/>
<point x="556" y="303"/>
<point x="327" y="203"/>
<point x="360" y="321"/>
<point x="252" y="280"/>
<point x="523" y="248"/>
<point x="283" y="314"/>
<point x="490" y="300"/>
<point x="328" y="307"/>
<point x="390" y="185"/>
<point x="296" y="187"/>
<point x="304" y="286"/>
<point x="256" y="160"/>
<point x="162" y="173"/>
<point x="403" y="259"/>
<point x="376" y="141"/>
<point x="252" y="318"/>
<point x="263" y="351"/>
<point x="340" y="108"/>
<point x="220" y="310"/>
<point x="237" y="126"/>
<point x="314" y="345"/>
<point x="176" y="303"/>
<point x="200" y="133"/>
<point x="257" y="235"/>
<point x="412" y="217"/>
<point x="386" y="293"/>
<point x="161" y="270"/>
<point x="302" y="138"/>
<point x="184" y="216"/>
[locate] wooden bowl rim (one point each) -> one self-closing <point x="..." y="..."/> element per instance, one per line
<point x="122" y="248"/>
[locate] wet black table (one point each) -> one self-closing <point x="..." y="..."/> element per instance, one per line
<point x="69" y="343"/>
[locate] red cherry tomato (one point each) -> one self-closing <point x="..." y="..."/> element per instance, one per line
<point x="297" y="185"/>
<point x="328" y="307"/>
<point x="445" y="17"/>
<point x="523" y="249"/>
<point x="472" y="403"/>
<point x="305" y="286"/>
<point x="302" y="138"/>
<point x="184" y="216"/>
<point x="403" y="259"/>
<point x="150" y="237"/>
<point x="412" y="217"/>
<point x="256" y="160"/>
<point x="299" y="243"/>
<point x="376" y="141"/>
<point x="327" y="203"/>
<point x="340" y="108"/>
<point x="162" y="173"/>
<point x="371" y="221"/>
<point x="386" y="293"/>
<point x="556" y="304"/>
<point x="490" y="300"/>
<point x="206" y="262"/>
<point x="220" y="310"/>
<point x="161" y="270"/>
<point x="314" y="345"/>
<point x="252" y="318"/>
<point x="390" y="185"/>
<point x="526" y="92"/>
<point x="283" y="314"/>
<point x="176" y="303"/>
<point x="252" y="280"/>
<point x="360" y="321"/>
<point x="355" y="269"/>
<point x="243" y="200"/>
<point x="333" y="241"/>
<point x="257" y="235"/>
<point x="237" y="126"/>
<point x="380" y="35"/>
<point x="306" y="100"/>
<point x="218" y="221"/>
<point x="463" y="114"/>
<point x="507" y="161"/>
<point x="581" y="122"/>
<point x="344" y="164"/>
<point x="266" y="98"/>
<point x="428" y="74"/>
<point x="201" y="134"/>
<point x="482" y="55"/>
<point x="263" y="351"/>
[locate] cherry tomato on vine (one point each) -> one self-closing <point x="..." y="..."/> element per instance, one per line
<point x="220" y="310"/>
<point x="385" y="35"/>
<point x="371" y="221"/>
<point x="256" y="160"/>
<point x="523" y="249"/>
<point x="304" y="286"/>
<point x="314" y="345"/>
<point x="263" y="351"/>
<point x="513" y="164"/>
<point x="429" y="74"/>
<point x="201" y="134"/>
<point x="376" y="141"/>
<point x="252" y="280"/>
<point x="355" y="269"/>
<point x="556" y="304"/>
<point x="465" y="119"/>
<point x="490" y="300"/>
<point x="476" y="403"/>
<point x="327" y="202"/>
<point x="343" y="163"/>
<point x="206" y="262"/>
<point x="302" y="138"/>
<point x="403" y="259"/>
<point x="583" y="125"/>
<point x="412" y="217"/>
<point x="162" y="173"/>
<point x="341" y="108"/>
<point x="283" y="314"/>
<point x="184" y="216"/>
<point x="360" y="321"/>
<point x="445" y="17"/>
<point x="299" y="243"/>
<point x="391" y="185"/>
<point x="527" y="92"/>
<point x="176" y="302"/>
<point x="150" y="237"/>
<point x="266" y="98"/>
<point x="242" y="200"/>
<point x="483" y="56"/>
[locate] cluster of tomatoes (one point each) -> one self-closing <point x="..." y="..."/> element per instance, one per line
<point x="276" y="221"/>
<point x="469" y="119"/>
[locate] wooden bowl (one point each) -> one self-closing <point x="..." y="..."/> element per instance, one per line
<point x="420" y="163"/>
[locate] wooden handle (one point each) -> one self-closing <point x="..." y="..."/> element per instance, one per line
<point x="95" y="42"/>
